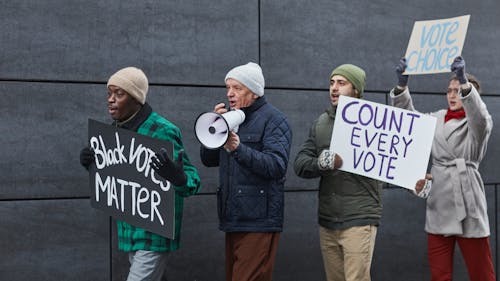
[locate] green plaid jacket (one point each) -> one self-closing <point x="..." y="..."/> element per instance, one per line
<point x="131" y="238"/>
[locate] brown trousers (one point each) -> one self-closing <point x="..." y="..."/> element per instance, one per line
<point x="250" y="256"/>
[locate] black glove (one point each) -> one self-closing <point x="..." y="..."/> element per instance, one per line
<point x="86" y="157"/>
<point x="458" y="66"/>
<point x="169" y="170"/>
<point x="400" y="68"/>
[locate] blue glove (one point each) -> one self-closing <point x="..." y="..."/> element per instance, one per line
<point x="400" y="68"/>
<point x="458" y="67"/>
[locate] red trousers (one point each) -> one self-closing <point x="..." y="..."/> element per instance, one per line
<point x="475" y="251"/>
<point x="250" y="256"/>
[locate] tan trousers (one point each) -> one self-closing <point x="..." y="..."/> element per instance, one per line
<point x="347" y="254"/>
<point x="250" y="256"/>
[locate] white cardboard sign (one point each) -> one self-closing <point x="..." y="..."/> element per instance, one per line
<point x="383" y="142"/>
<point x="434" y="44"/>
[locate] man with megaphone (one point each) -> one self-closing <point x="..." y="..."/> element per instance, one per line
<point x="252" y="167"/>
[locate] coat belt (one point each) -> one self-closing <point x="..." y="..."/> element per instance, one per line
<point x="465" y="201"/>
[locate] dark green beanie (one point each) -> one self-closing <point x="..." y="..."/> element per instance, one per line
<point x="354" y="74"/>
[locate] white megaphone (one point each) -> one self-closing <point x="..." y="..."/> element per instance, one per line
<point x="212" y="129"/>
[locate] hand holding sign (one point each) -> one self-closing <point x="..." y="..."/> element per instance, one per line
<point x="329" y="160"/>
<point x="423" y="186"/>
<point x="400" y="69"/>
<point x="168" y="169"/>
<point x="86" y="157"/>
<point x="458" y="67"/>
<point x="433" y="45"/>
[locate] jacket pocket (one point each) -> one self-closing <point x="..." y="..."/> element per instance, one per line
<point x="249" y="203"/>
<point x="252" y="140"/>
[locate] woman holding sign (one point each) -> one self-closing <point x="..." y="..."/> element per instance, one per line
<point x="456" y="204"/>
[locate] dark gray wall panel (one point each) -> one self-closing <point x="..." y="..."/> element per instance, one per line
<point x="378" y="97"/>
<point x="303" y="42"/>
<point x="44" y="127"/>
<point x="492" y="201"/>
<point x="489" y="166"/>
<point x="495" y="226"/>
<point x="400" y="248"/>
<point x="299" y="254"/>
<point x="184" y="42"/>
<point x="301" y="109"/>
<point x="53" y="240"/>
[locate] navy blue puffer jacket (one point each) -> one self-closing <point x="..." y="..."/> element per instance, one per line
<point x="250" y="197"/>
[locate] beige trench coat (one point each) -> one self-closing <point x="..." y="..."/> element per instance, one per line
<point x="457" y="203"/>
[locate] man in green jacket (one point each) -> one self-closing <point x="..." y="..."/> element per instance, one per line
<point x="350" y="205"/>
<point x="127" y="90"/>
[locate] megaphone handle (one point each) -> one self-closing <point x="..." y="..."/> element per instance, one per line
<point x="220" y="108"/>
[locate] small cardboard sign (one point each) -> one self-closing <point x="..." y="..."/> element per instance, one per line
<point x="434" y="44"/>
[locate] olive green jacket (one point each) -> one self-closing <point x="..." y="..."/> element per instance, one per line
<point x="345" y="199"/>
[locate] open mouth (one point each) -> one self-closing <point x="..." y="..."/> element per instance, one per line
<point x="112" y="110"/>
<point x="334" y="97"/>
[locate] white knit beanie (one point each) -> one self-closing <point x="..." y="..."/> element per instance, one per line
<point x="250" y="75"/>
<point x="133" y="81"/>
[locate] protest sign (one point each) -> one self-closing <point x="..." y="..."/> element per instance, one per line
<point x="123" y="183"/>
<point x="434" y="44"/>
<point x="382" y="142"/>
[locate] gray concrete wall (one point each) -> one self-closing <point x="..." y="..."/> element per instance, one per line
<point x="57" y="55"/>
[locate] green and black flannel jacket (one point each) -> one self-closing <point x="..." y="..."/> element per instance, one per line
<point x="132" y="238"/>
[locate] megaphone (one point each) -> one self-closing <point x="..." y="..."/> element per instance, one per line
<point x="212" y="129"/>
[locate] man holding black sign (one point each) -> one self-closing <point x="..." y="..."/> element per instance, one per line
<point x="350" y="205"/>
<point x="127" y="90"/>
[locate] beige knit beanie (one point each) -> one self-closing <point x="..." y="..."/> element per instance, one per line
<point x="133" y="81"/>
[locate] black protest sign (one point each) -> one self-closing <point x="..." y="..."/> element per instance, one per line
<point x="123" y="183"/>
